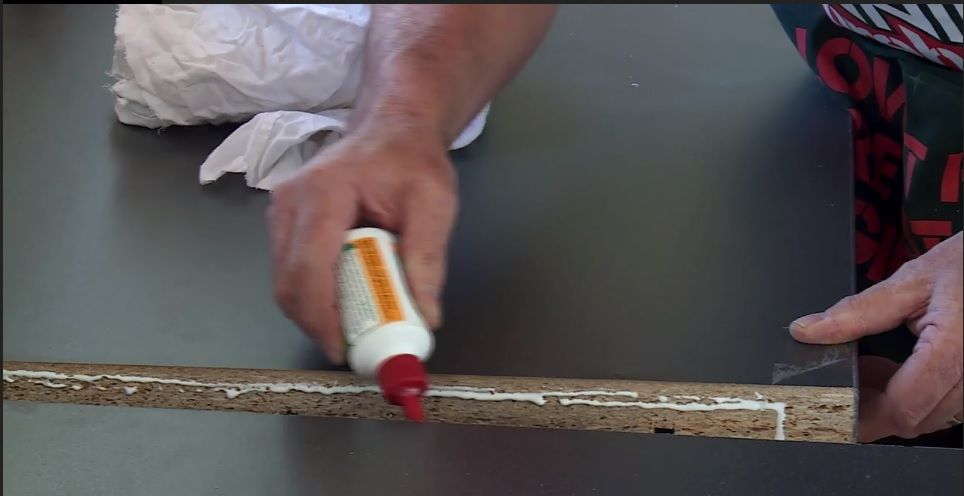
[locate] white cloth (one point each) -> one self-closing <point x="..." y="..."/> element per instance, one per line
<point x="293" y="70"/>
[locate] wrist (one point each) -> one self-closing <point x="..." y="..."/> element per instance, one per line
<point x="408" y="103"/>
<point x="400" y="124"/>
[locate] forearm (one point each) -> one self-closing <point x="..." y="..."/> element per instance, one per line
<point x="433" y="67"/>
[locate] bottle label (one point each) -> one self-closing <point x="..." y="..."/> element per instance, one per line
<point x="367" y="296"/>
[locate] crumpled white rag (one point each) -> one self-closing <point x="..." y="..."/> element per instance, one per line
<point x="292" y="71"/>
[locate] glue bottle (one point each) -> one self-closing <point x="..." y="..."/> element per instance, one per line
<point x="385" y="335"/>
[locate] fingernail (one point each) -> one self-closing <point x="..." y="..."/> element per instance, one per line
<point x="801" y="324"/>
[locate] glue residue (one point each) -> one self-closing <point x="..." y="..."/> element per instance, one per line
<point x="50" y="384"/>
<point x="564" y="398"/>
<point x="231" y="390"/>
<point x="491" y="394"/>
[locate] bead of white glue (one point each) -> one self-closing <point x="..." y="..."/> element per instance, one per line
<point x="386" y="337"/>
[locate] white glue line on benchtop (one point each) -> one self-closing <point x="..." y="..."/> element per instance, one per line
<point x="233" y="390"/>
<point x="565" y="398"/>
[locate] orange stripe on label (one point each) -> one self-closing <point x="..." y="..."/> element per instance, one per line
<point x="379" y="280"/>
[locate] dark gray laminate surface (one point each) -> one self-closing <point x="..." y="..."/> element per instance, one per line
<point x="656" y="196"/>
<point x="103" y="451"/>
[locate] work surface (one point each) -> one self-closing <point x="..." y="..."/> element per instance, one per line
<point x="659" y="193"/>
<point x="82" y="450"/>
<point x="655" y="197"/>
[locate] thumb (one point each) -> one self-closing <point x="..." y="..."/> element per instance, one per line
<point x="429" y="216"/>
<point x="879" y="308"/>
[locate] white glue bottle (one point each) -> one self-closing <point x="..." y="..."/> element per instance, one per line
<point x="385" y="335"/>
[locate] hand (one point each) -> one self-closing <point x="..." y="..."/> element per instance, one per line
<point x="405" y="184"/>
<point x="924" y="393"/>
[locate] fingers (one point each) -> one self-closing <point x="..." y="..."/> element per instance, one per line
<point x="311" y="211"/>
<point x="430" y="212"/>
<point x="924" y="394"/>
<point x="880" y="308"/>
<point x="310" y="246"/>
<point x="876" y="418"/>
<point x="936" y="365"/>
<point x="946" y="414"/>
<point x="917" y="389"/>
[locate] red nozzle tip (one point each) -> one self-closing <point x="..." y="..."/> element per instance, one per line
<point x="412" y="406"/>
<point x="403" y="380"/>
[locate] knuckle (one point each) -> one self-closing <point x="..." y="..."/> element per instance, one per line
<point x="909" y="269"/>
<point x="913" y="272"/>
<point x="935" y="325"/>
<point x="945" y="314"/>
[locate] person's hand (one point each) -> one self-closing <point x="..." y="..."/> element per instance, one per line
<point x="923" y="394"/>
<point x="405" y="184"/>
